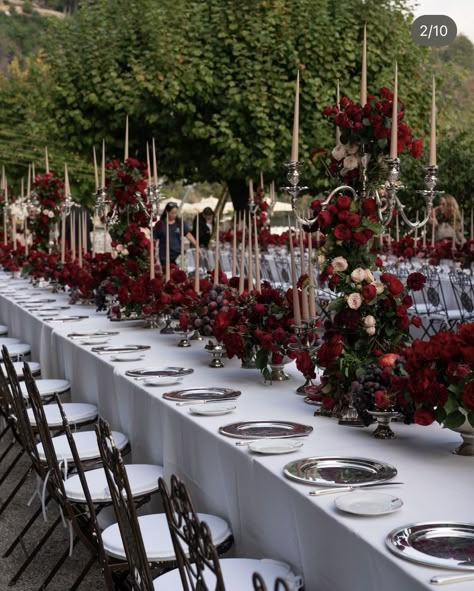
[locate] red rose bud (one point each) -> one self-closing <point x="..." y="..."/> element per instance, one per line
<point x="343" y="202"/>
<point x="369" y="292"/>
<point x="423" y="417"/>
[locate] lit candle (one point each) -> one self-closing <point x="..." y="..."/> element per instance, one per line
<point x="217" y="254"/>
<point x="363" y="79"/>
<point x="181" y="256"/>
<point x="250" y="257"/>
<point x="234" y="247"/>
<point x="167" y="259"/>
<point x="242" y="259"/>
<point x="196" y="262"/>
<point x="102" y="170"/>
<point x="311" y="290"/>
<point x="338" y="103"/>
<point x="126" y="139"/>
<point x="296" y="119"/>
<point x="294" y="281"/>
<point x="96" y="170"/>
<point x="46" y="159"/>
<point x="155" y="169"/>
<point x="394" y="135"/>
<point x="432" y="160"/>
<point x="257" y="256"/>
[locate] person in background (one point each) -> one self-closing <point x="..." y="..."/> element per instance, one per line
<point x="446" y="220"/>
<point x="174" y="224"/>
<point x="205" y="219"/>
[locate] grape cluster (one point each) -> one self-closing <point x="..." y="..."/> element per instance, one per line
<point x="374" y="382"/>
<point x="212" y="302"/>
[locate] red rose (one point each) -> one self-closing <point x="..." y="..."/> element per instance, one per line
<point x="416" y="281"/>
<point x="468" y="395"/>
<point x="369" y="292"/>
<point x="343" y="202"/>
<point x="416" y="148"/>
<point x="342" y="232"/>
<point x="369" y="206"/>
<point x="423" y="417"/>
<point x="394" y="285"/>
<point x="324" y="218"/>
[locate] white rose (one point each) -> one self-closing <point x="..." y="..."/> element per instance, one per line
<point x="350" y="162"/>
<point x="369" y="321"/>
<point x="368" y="276"/>
<point x="379" y="287"/>
<point x="321" y="260"/>
<point x="339" y="264"/>
<point x="354" y="301"/>
<point x="358" y="275"/>
<point x="119" y="247"/>
<point x="125" y="252"/>
<point x="113" y="253"/>
<point x="339" y="152"/>
<point x="370" y="330"/>
<point x="51" y="214"/>
<point x="45" y="211"/>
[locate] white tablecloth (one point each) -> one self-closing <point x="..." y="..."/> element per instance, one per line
<point x="270" y="515"/>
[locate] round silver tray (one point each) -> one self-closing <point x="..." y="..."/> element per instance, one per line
<point x="265" y="429"/>
<point x="338" y="471"/>
<point x="443" y="544"/>
<point x="202" y="394"/>
<point x="120" y="349"/>
<point x="146" y="372"/>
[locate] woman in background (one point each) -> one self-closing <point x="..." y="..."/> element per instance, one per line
<point x="446" y="220"/>
<point x="170" y="213"/>
<point x="205" y="220"/>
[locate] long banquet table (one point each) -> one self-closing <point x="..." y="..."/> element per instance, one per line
<point x="271" y="516"/>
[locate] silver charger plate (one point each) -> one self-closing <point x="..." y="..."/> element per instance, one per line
<point x="202" y="394"/>
<point x="265" y="429"/>
<point x="65" y="318"/>
<point x="147" y="372"/>
<point x="443" y="544"/>
<point x="338" y="471"/>
<point x="41" y="301"/>
<point x="120" y="349"/>
<point x="95" y="333"/>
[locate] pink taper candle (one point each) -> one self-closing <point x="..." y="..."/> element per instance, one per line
<point x="102" y="169"/>
<point x="250" y="260"/>
<point x="148" y="165"/>
<point x="363" y="79"/>
<point x="294" y="281"/>
<point x="338" y="102"/>
<point x="125" y="156"/>
<point x="242" y="259"/>
<point x="167" y="255"/>
<point x="96" y="170"/>
<point x="311" y="291"/>
<point x="432" y="160"/>
<point x="152" y="250"/>
<point x="181" y="255"/>
<point x="196" y="262"/>
<point x="394" y="134"/>
<point x="46" y="159"/>
<point x="296" y="121"/>
<point x="257" y="256"/>
<point x="234" y="247"/>
<point x="155" y="169"/>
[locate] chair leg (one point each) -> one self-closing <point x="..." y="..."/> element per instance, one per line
<point x="21" y="535"/>
<point x="11" y="466"/>
<point x="11" y="496"/>
<point x="38" y="547"/>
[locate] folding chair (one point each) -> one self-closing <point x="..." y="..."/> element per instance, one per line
<point x="463" y="290"/>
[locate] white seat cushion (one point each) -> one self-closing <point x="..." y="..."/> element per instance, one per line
<point x="18" y="350"/>
<point x="143" y="480"/>
<point x="237" y="574"/>
<point x="48" y="387"/>
<point x="86" y="443"/>
<point x="18" y="367"/>
<point x="76" y="413"/>
<point x="156" y="536"/>
<point x="9" y="341"/>
<point x="3" y="329"/>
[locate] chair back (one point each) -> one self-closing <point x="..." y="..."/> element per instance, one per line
<point x="192" y="540"/>
<point x="463" y="290"/>
<point x="259" y="584"/>
<point x="124" y="508"/>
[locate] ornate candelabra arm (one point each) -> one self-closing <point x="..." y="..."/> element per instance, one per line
<point x="294" y="190"/>
<point x="431" y="180"/>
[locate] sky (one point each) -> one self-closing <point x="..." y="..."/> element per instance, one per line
<point x="461" y="11"/>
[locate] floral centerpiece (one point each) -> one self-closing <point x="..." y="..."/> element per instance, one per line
<point x="48" y="192"/>
<point x="438" y="380"/>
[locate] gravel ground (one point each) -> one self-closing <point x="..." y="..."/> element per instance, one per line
<point x="11" y="522"/>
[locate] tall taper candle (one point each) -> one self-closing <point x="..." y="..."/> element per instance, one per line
<point x="296" y="121"/>
<point x="79" y="244"/>
<point x="96" y="170"/>
<point x="155" y="168"/>
<point x="181" y="255"/>
<point x="217" y="253"/>
<point x="167" y="259"/>
<point x="72" y="234"/>
<point x="432" y="160"/>
<point x="125" y="156"/>
<point x="67" y="188"/>
<point x="416" y="229"/>
<point x="363" y="78"/>
<point x="397" y="228"/>
<point x="432" y="235"/>
<point x="242" y="259"/>
<point x="472" y="224"/>
<point x="250" y="257"/>
<point x="394" y="134"/>
<point x="102" y="170"/>
<point x="152" y="250"/>
<point x="46" y="159"/>
<point x="258" y="278"/>
<point x="338" y="103"/>
<point x="462" y="226"/>
<point x="33" y="173"/>
<point x="294" y="280"/>
<point x="148" y="164"/>
<point x="63" y="236"/>
<point x="311" y="290"/>
<point x="234" y="247"/>
<point x="28" y="182"/>
<point x="196" y="262"/>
